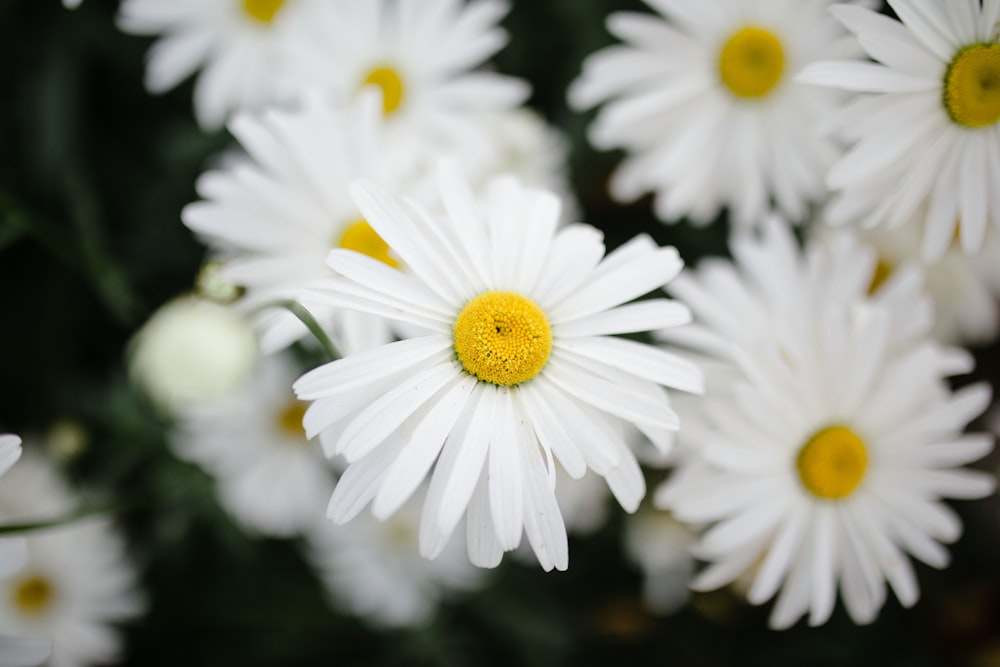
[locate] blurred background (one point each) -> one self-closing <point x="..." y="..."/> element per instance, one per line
<point x="94" y="172"/>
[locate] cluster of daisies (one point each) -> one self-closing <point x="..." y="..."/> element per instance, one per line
<point x="406" y="351"/>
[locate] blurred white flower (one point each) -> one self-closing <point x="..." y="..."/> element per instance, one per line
<point x="661" y="546"/>
<point x="964" y="289"/>
<point x="421" y="57"/>
<point x="192" y="350"/>
<point x="821" y="459"/>
<point x="268" y="476"/>
<point x="71" y="4"/>
<point x="926" y="133"/>
<point x="520" y="367"/>
<point x="533" y="151"/>
<point x="77" y="581"/>
<point x="242" y="48"/>
<point x="272" y="217"/>
<point x="373" y="568"/>
<point x="705" y="103"/>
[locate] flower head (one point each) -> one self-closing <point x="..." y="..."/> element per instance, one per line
<point x="927" y="132"/>
<point x="519" y="367"/>
<point x="705" y="103"/>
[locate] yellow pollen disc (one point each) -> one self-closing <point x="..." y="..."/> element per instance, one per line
<point x="360" y="237"/>
<point x="290" y="419"/>
<point x="751" y="62"/>
<point x="262" y="10"/>
<point x="32" y="594"/>
<point x="503" y="338"/>
<point x="972" y="86"/>
<point x="391" y="83"/>
<point x="883" y="270"/>
<point x="832" y="463"/>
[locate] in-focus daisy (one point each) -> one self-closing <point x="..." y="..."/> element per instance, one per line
<point x="519" y="367"/>
<point x="373" y="568"/>
<point x="272" y="217"/>
<point x="192" y="350"/>
<point x="241" y="47"/>
<point x="822" y="465"/>
<point x="927" y="136"/>
<point x="268" y="476"/>
<point x="704" y="100"/>
<point x="422" y="57"/>
<point x="77" y="581"/>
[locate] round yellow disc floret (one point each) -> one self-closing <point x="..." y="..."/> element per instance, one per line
<point x="290" y="419"/>
<point x="32" y="594"/>
<point x="972" y="86"/>
<point x="391" y="83"/>
<point x="751" y="62"/>
<point x="360" y="237"/>
<point x="262" y="10"/>
<point x="832" y="462"/>
<point x="503" y="338"/>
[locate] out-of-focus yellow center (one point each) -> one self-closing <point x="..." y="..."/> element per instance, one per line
<point x="832" y="463"/>
<point x="290" y="419"/>
<point x="503" y="338"/>
<point x="32" y="594"/>
<point x="360" y="237"/>
<point x="391" y="83"/>
<point x="262" y="11"/>
<point x="751" y="62"/>
<point x="883" y="270"/>
<point x="972" y="86"/>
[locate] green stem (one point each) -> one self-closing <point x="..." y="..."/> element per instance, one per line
<point x="83" y="512"/>
<point x="310" y="322"/>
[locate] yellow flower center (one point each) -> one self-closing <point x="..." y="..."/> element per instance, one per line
<point x="883" y="270"/>
<point x="391" y="83"/>
<point x="751" y="62"/>
<point x="503" y="338"/>
<point x="262" y="11"/>
<point x="32" y="594"/>
<point x="360" y="237"/>
<point x="832" y="463"/>
<point x="290" y="419"/>
<point x="972" y="86"/>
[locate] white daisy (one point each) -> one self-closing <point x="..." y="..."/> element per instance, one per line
<point x="77" y="581"/>
<point x="12" y="549"/>
<point x="964" y="289"/>
<point x="420" y="56"/>
<point x="706" y="105"/>
<point x="373" y="568"/>
<point x="661" y="546"/>
<point x="927" y="137"/>
<point x="822" y="464"/>
<point x="268" y="476"/>
<point x="519" y="367"/>
<point x="272" y="217"/>
<point x="192" y="350"/>
<point x="241" y="47"/>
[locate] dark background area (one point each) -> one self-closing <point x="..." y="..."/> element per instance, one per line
<point x="93" y="174"/>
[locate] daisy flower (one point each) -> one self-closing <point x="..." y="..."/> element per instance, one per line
<point x="241" y="47"/>
<point x="268" y="476"/>
<point x="705" y="103"/>
<point x="272" y="217"/>
<point x="373" y="570"/>
<point x="421" y="57"/>
<point x="518" y="368"/>
<point x="926" y="136"/>
<point x="821" y="465"/>
<point x="77" y="580"/>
